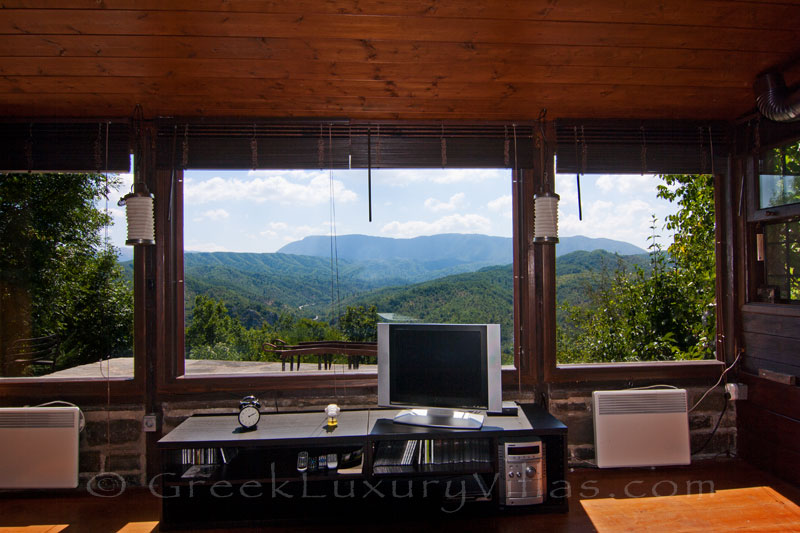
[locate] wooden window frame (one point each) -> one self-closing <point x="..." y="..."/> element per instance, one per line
<point x="545" y="295"/>
<point x="534" y="310"/>
<point x="92" y="390"/>
<point x="165" y="264"/>
<point x="755" y="217"/>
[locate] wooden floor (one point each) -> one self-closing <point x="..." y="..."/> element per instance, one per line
<point x="719" y="496"/>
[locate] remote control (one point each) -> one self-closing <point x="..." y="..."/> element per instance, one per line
<point x="333" y="462"/>
<point x="312" y="464"/>
<point x="302" y="461"/>
<point x="323" y="462"/>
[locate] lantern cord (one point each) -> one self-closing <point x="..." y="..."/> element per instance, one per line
<point x="172" y="171"/>
<point x="543" y="149"/>
<point x="335" y="302"/>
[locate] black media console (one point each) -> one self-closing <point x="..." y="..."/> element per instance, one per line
<point x="215" y="475"/>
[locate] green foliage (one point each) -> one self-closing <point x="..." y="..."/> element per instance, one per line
<point x="213" y="333"/>
<point x="360" y="324"/>
<point x="56" y="274"/>
<point x="486" y="296"/>
<point x="211" y="324"/>
<point x="664" y="312"/>
<point x="780" y="176"/>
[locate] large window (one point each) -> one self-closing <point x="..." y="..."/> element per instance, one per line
<point x="65" y="301"/>
<point x="276" y="260"/>
<point x="778" y="238"/>
<point x="635" y="279"/>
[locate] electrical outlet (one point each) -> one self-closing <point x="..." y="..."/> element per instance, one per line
<point x="736" y="391"/>
<point x="149" y="423"/>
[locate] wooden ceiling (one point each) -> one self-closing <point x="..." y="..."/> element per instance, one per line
<point x="392" y="59"/>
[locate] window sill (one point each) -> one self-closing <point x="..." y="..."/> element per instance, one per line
<point x="792" y="310"/>
<point x="632" y="371"/>
<point x="210" y="384"/>
<point x="85" y="390"/>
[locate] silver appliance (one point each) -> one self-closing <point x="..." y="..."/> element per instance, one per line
<point x="522" y="468"/>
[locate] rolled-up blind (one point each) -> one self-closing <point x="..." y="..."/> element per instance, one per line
<point x="65" y="146"/>
<point x="341" y="144"/>
<point x="630" y="146"/>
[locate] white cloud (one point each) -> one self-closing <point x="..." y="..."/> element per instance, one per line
<point x="439" y="176"/>
<point x="271" y="188"/>
<point x="213" y="215"/>
<point x="501" y="205"/>
<point x="301" y="175"/>
<point x="469" y="223"/>
<point x="628" y="221"/>
<point x="626" y="183"/>
<point x="196" y="246"/>
<point x="455" y="201"/>
<point x="287" y="233"/>
<point x="567" y="189"/>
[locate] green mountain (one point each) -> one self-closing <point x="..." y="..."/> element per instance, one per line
<point x="578" y="271"/>
<point x="256" y="288"/>
<point x="443" y="250"/>
<point x="479" y="297"/>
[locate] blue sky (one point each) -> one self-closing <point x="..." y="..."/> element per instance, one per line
<point x="260" y="211"/>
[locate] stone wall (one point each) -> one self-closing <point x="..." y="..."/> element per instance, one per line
<point x="114" y="442"/>
<point x="572" y="404"/>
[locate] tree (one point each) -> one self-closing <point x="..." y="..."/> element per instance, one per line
<point x="665" y="312"/>
<point x="360" y="324"/>
<point x="211" y="324"/>
<point x="57" y="275"/>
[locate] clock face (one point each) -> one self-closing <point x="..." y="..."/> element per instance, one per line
<point x="249" y="417"/>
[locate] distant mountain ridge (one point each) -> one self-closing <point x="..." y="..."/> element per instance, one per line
<point x="446" y="249"/>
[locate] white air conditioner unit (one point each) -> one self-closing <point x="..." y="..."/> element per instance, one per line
<point x="39" y="447"/>
<point x="641" y="428"/>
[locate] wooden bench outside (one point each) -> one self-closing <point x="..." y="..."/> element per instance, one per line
<point x="324" y="350"/>
<point x="36" y="351"/>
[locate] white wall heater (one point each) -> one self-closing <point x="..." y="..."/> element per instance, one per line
<point x="39" y="447"/>
<point x="641" y="428"/>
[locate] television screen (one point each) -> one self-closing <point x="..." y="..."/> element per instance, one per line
<point x="451" y="366"/>
<point x="441" y="367"/>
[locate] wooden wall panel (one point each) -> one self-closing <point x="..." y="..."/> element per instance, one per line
<point x="768" y="427"/>
<point x="772" y="342"/>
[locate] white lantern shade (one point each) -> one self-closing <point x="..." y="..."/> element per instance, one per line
<point x="545" y="224"/>
<point x="139" y="213"/>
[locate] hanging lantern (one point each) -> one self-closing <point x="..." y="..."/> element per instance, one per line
<point x="139" y="213"/>
<point x="545" y="224"/>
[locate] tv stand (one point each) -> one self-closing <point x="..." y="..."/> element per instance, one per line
<point x="440" y="418"/>
<point x="213" y="476"/>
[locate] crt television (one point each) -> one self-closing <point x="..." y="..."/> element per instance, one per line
<point x="442" y="372"/>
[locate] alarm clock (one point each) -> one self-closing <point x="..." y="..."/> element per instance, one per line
<point x="248" y="412"/>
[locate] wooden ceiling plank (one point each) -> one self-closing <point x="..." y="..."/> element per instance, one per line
<point x="356" y="50"/>
<point x="373" y="108"/>
<point x="277" y="89"/>
<point x="478" y="71"/>
<point x="715" y="13"/>
<point x="100" y="22"/>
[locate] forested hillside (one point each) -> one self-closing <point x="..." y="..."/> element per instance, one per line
<point x="272" y="295"/>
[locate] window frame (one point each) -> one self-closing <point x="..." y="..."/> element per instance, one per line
<point x="166" y="265"/>
<point x="92" y="390"/>
<point x="757" y="217"/>
<point x="628" y="372"/>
